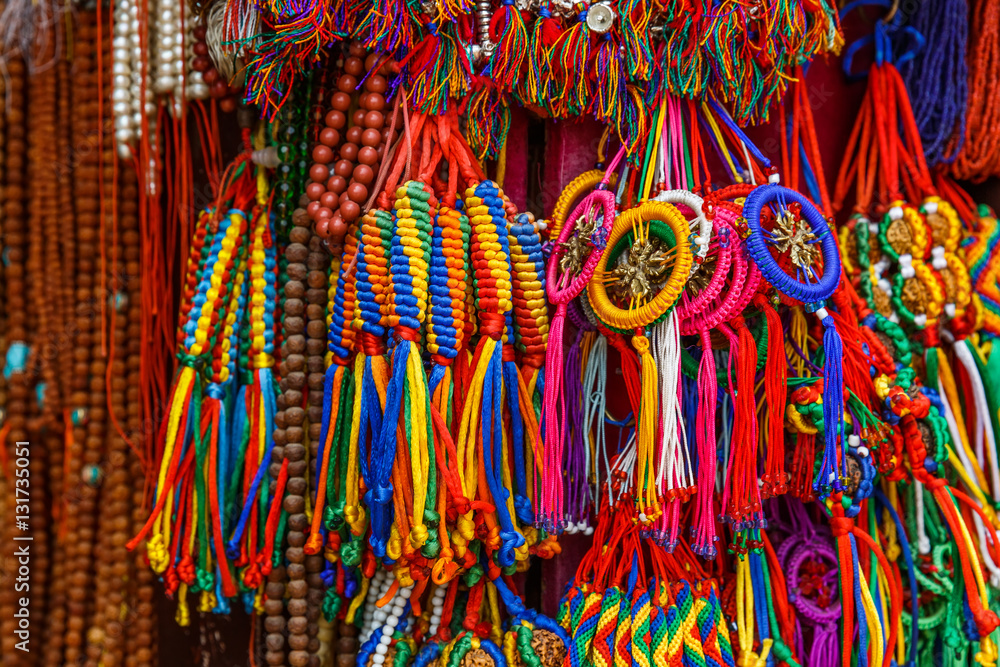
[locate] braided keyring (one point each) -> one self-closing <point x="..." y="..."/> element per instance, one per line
<point x="585" y="182"/>
<point x="625" y="320"/>
<point x="602" y="200"/>
<point x="756" y="243"/>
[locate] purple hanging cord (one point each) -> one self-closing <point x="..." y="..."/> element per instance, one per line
<point x="937" y="77"/>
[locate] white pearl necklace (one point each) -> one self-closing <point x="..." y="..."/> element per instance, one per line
<point x="127" y="84"/>
<point x="393" y="619"/>
<point x="131" y="96"/>
<point x="376" y="589"/>
<point x="437" y="609"/>
<point x="168" y="67"/>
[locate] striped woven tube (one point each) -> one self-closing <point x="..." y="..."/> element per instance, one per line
<point x="338" y="398"/>
<point x="531" y="318"/>
<point x="407" y="398"/>
<point x="371" y="374"/>
<point x="446" y="337"/>
<point x="482" y="410"/>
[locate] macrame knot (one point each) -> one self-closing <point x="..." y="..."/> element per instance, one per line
<point x="331" y="604"/>
<point x="492" y="324"/>
<point x="186" y="570"/>
<point x="930" y="481"/>
<point x="205" y="580"/>
<point x="402" y="333"/>
<point x="441" y="360"/>
<point x="418" y="536"/>
<point x="404" y="577"/>
<point x="459" y="505"/>
<point x="252" y="576"/>
<point x="508" y="353"/>
<point x="841" y="526"/>
<point x="215" y="390"/>
<point x="522" y="507"/>
<point x="314" y="543"/>
<point x="987" y="655"/>
<point x="511" y="540"/>
<point x="444" y="569"/>
<point x="641" y="343"/>
<point x="350" y="553"/>
<point x="986" y="622"/>
<point x="381" y="494"/>
<point x="466" y="527"/>
<point x="171" y="581"/>
<point x="532" y="361"/>
<point x="370" y="344"/>
<point x="156" y="552"/>
<point x="329" y="575"/>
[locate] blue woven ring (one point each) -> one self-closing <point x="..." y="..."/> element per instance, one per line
<point x="774" y="274"/>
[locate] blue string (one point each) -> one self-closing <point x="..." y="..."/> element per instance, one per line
<point x="522" y="505"/>
<point x="833" y="407"/>
<point x="492" y="423"/>
<point x="738" y="131"/>
<point x="760" y="593"/>
<point x="383" y="453"/>
<point x="937" y="78"/>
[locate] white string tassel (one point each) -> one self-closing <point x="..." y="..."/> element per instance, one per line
<point x="984" y="426"/>
<point x="673" y="468"/>
<point x="595" y="380"/>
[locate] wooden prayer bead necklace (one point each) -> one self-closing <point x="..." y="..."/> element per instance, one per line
<point x="295" y="378"/>
<point x="84" y="195"/>
<point x="275" y="623"/>
<point x="318" y="280"/>
<point x="105" y="641"/>
<point x="15" y="249"/>
<point x="64" y="342"/>
<point x="86" y="450"/>
<point x="44" y="222"/>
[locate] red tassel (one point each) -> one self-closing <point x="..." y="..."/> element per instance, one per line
<point x="775" y="389"/>
<point x="510" y="35"/>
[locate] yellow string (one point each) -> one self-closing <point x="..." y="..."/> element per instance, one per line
<point x="353" y="513"/>
<point x="647" y="180"/>
<point x="875" y="634"/>
<point x="183" y="615"/>
<point x="491" y="596"/>
<point x="745" y="619"/>
<point x="720" y="140"/>
<point x="974" y="488"/>
<point x="358" y="599"/>
<point x="502" y="163"/>
<point x="419" y="450"/>
<point x="649" y="506"/>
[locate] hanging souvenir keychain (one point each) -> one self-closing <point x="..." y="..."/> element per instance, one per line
<point x="634" y="287"/>
<point x="188" y="547"/>
<point x="574" y="256"/>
